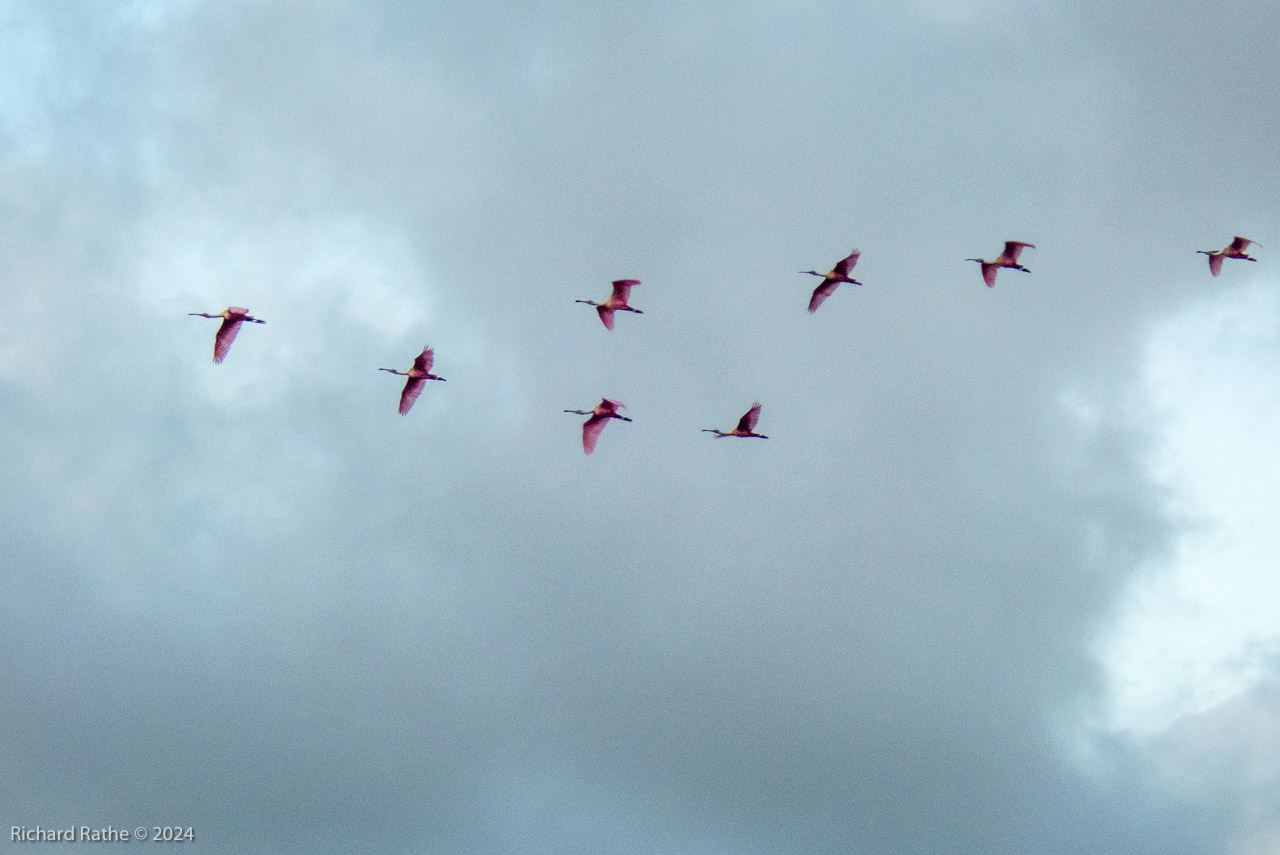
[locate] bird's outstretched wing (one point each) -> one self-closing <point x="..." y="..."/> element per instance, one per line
<point x="412" y="388"/>
<point x="844" y="265"/>
<point x="989" y="274"/>
<point x="821" y="293"/>
<point x="591" y="431"/>
<point x="606" y="316"/>
<point x="622" y="288"/>
<point x="1012" y="248"/>
<point x="226" y="334"/>
<point x="1215" y="264"/>
<point x="749" y="418"/>
<point x="1239" y="243"/>
<point x="424" y="360"/>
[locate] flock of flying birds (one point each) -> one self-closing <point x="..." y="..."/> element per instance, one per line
<point x="600" y="415"/>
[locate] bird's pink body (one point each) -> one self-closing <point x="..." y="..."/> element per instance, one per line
<point x="418" y="376"/>
<point x="1235" y="249"/>
<point x="600" y="415"/>
<point x="617" y="301"/>
<point x="1007" y="258"/>
<point x="746" y="425"/>
<point x="232" y="318"/>
<point x="832" y="279"/>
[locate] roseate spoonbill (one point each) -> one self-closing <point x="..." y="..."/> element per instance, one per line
<point x="232" y="317"/>
<point x="418" y="376"/>
<point x="832" y="278"/>
<point x="617" y="302"/>
<point x="1235" y="249"/>
<point x="600" y="415"/>
<point x="1007" y="258"/>
<point x="746" y="425"/>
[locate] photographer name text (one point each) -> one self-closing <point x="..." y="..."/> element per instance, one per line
<point x="105" y="834"/>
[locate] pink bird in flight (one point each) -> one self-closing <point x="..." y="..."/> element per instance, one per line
<point x="831" y="279"/>
<point x="1007" y="258"/>
<point x="617" y="301"/>
<point x="232" y="317"/>
<point x="600" y="415"/>
<point x="746" y="425"/>
<point x="418" y="376"/>
<point x="1235" y="249"/>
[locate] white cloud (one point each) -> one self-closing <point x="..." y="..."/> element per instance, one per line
<point x="1198" y="625"/>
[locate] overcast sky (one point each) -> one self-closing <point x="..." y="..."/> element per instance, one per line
<point x="1003" y="579"/>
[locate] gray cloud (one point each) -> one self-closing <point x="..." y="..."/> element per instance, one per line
<point x="252" y="599"/>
